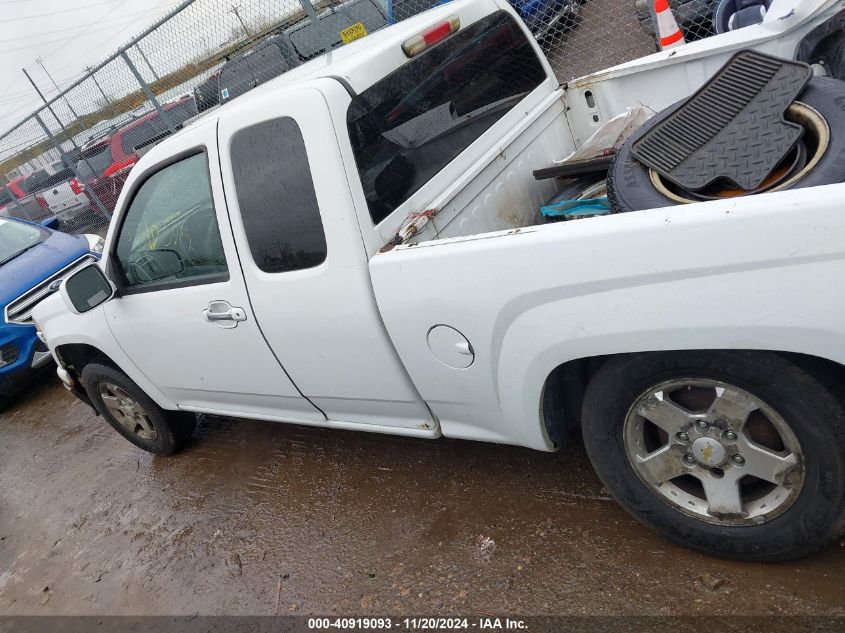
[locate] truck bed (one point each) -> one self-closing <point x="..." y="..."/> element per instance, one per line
<point x="529" y="299"/>
<point x="500" y="191"/>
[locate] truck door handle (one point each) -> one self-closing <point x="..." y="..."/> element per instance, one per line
<point x="223" y="314"/>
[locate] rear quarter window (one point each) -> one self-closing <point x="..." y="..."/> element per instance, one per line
<point x="408" y="126"/>
<point x="276" y="197"/>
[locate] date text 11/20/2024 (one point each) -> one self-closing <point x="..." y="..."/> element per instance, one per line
<point x="417" y="624"/>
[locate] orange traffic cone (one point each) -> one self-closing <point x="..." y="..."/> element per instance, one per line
<point x="668" y="33"/>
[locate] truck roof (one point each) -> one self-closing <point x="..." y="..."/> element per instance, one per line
<point x="364" y="61"/>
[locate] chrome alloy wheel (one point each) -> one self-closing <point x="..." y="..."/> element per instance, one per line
<point x="714" y="451"/>
<point x="126" y="411"/>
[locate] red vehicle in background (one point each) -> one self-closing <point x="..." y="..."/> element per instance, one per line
<point x="7" y="193"/>
<point x="15" y="187"/>
<point x="19" y="198"/>
<point x="105" y="163"/>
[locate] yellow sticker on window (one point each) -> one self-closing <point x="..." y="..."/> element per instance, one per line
<point x="354" y="32"/>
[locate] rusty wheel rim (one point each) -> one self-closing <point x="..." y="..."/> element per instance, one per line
<point x="714" y="451"/>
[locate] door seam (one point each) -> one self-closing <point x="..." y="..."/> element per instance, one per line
<point x="243" y="275"/>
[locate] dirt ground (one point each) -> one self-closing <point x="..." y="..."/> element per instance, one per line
<point x="264" y="518"/>
<point x="606" y="33"/>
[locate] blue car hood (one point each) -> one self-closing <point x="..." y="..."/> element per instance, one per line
<point x="38" y="263"/>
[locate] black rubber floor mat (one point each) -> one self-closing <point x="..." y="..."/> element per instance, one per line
<point x="732" y="128"/>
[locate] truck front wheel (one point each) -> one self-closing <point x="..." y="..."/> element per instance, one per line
<point x="737" y="454"/>
<point x="133" y="414"/>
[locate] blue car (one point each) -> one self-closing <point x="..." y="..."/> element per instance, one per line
<point x="33" y="260"/>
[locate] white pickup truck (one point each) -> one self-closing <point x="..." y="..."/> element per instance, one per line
<point x="352" y="245"/>
<point x="53" y="189"/>
<point x="64" y="195"/>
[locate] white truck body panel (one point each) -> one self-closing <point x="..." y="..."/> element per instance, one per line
<point x="716" y="275"/>
<point x="348" y="338"/>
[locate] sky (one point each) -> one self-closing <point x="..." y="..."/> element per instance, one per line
<point x="67" y="36"/>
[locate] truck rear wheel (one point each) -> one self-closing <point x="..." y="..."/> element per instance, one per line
<point x="133" y="414"/>
<point x="737" y="454"/>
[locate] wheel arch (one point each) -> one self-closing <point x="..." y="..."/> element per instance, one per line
<point x="563" y="390"/>
<point x="74" y="356"/>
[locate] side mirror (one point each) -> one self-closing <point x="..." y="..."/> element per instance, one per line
<point x="155" y="265"/>
<point x="51" y="223"/>
<point x="86" y="289"/>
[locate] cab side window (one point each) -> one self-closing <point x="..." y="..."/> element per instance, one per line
<point x="169" y="235"/>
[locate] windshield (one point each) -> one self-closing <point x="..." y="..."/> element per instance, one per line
<point x="17" y="238"/>
<point x="94" y="161"/>
<point x="33" y="183"/>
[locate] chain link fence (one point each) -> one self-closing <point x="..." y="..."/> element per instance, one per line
<point x="71" y="157"/>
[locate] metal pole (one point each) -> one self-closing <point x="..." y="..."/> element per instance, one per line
<point x="315" y="19"/>
<point x="40" y="62"/>
<point x="97" y="83"/>
<point x="309" y="9"/>
<point x="240" y="19"/>
<point x="148" y="92"/>
<point x="41" y="94"/>
<point x="97" y="202"/>
<point x="144" y="57"/>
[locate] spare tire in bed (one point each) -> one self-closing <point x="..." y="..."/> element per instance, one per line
<point x="819" y="158"/>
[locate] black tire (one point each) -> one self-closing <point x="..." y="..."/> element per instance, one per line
<point x="172" y="429"/>
<point x="805" y="401"/>
<point x="629" y="187"/>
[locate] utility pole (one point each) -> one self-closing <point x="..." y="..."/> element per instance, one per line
<point x="41" y="94"/>
<point x="40" y="62"/>
<point x="234" y="10"/>
<point x="97" y="83"/>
